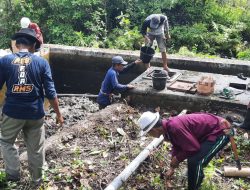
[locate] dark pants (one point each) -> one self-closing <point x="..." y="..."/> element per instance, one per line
<point x="103" y="100"/>
<point x="201" y="159"/>
<point x="102" y="106"/>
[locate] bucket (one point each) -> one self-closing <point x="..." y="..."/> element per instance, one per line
<point x="159" y="79"/>
<point x="146" y="54"/>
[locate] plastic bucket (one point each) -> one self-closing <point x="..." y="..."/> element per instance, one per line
<point x="146" y="54"/>
<point x="159" y="79"/>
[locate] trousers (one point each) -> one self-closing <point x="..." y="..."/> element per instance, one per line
<point x="34" y="136"/>
<point x="197" y="162"/>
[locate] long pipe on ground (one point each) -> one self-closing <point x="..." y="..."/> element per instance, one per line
<point x="124" y="175"/>
<point x="84" y="95"/>
<point x="78" y="95"/>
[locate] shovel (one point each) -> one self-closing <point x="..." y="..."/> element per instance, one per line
<point x="237" y="171"/>
<point x="236" y="156"/>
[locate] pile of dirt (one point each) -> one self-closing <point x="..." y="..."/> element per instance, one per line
<point x="91" y="153"/>
<point x="90" y="149"/>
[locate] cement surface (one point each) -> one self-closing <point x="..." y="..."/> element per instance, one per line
<point x="145" y="94"/>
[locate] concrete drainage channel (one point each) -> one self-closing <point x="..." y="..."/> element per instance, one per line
<point x="81" y="70"/>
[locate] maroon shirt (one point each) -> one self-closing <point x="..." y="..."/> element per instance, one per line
<point x="187" y="132"/>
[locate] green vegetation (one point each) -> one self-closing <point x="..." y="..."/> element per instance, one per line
<point x="214" y="27"/>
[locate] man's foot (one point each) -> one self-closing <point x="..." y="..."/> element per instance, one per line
<point x="165" y="67"/>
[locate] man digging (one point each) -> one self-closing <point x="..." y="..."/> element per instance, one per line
<point x="196" y="137"/>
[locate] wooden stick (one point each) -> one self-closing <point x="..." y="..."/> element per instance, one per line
<point x="235" y="152"/>
<point x="234" y="172"/>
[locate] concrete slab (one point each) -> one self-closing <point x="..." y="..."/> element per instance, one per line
<point x="145" y="94"/>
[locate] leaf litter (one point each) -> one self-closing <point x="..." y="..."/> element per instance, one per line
<point x="101" y="144"/>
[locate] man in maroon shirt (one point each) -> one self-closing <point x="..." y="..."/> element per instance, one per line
<point x="196" y="137"/>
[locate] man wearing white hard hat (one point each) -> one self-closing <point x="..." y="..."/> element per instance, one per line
<point x="196" y="137"/>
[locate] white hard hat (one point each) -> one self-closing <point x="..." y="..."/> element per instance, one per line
<point x="147" y="121"/>
<point x="25" y="21"/>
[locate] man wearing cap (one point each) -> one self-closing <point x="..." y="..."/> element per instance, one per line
<point x="158" y="26"/>
<point x="27" y="78"/>
<point x="196" y="137"/>
<point x="110" y="82"/>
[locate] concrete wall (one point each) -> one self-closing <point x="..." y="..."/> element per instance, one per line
<point x="212" y="65"/>
<point x="81" y="70"/>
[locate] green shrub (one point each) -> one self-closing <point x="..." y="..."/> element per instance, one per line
<point x="245" y="55"/>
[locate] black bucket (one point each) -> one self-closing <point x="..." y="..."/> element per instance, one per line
<point x="146" y="54"/>
<point x="159" y="79"/>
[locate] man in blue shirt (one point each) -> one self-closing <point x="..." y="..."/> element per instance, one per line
<point x="27" y="77"/>
<point x="111" y="83"/>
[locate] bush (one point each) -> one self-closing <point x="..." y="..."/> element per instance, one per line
<point x="124" y="37"/>
<point x="245" y="55"/>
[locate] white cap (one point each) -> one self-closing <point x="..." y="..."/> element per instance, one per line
<point x="147" y="121"/>
<point x="25" y="21"/>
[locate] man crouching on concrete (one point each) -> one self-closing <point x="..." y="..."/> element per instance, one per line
<point x="196" y="137"/>
<point x="110" y="82"/>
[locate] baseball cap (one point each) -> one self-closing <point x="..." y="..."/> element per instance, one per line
<point x="118" y="60"/>
<point x="155" y="21"/>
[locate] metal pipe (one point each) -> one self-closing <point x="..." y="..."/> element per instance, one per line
<point x="124" y="175"/>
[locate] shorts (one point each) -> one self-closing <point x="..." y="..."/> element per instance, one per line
<point x="161" y="41"/>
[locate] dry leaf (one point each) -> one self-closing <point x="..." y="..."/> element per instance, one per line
<point x="105" y="154"/>
<point x="95" y="152"/>
<point x="121" y="131"/>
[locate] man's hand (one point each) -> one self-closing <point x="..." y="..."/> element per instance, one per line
<point x="130" y="86"/>
<point x="168" y="37"/>
<point x="170" y="173"/>
<point x="147" y="40"/>
<point x="59" y="119"/>
<point x="168" y="185"/>
<point x="138" y="61"/>
<point x="174" y="163"/>
<point x="225" y="123"/>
